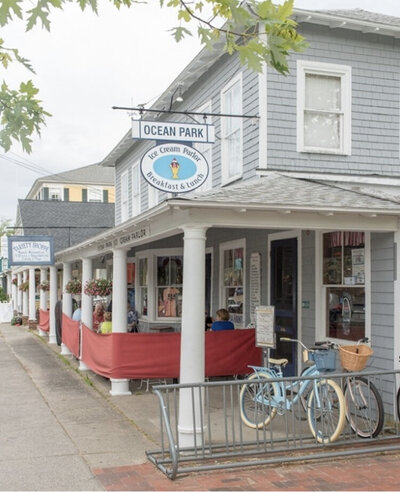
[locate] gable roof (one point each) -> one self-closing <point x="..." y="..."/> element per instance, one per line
<point x="91" y="175"/>
<point x="68" y="222"/>
<point x="364" y="15"/>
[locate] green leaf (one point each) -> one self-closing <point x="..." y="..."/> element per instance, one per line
<point x="7" y="8"/>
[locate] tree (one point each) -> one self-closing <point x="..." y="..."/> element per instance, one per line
<point x="258" y="31"/>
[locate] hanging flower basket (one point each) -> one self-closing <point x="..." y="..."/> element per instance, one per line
<point x="24" y="286"/>
<point x="98" y="287"/>
<point x="74" y="286"/>
<point x="14" y="281"/>
<point x="44" y="286"/>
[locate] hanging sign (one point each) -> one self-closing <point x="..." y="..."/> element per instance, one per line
<point x="174" y="168"/>
<point x="176" y="132"/>
<point x="30" y="250"/>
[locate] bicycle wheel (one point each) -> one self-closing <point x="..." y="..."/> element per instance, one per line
<point x="326" y="413"/>
<point x="364" y="407"/>
<point x="255" y="401"/>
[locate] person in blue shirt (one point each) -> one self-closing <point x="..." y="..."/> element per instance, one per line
<point x="222" y="321"/>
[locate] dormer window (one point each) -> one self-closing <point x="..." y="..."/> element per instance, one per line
<point x="323" y="108"/>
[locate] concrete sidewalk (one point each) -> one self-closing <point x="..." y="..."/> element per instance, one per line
<point x="54" y="426"/>
<point x="61" y="430"/>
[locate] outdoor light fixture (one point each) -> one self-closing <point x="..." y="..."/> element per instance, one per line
<point x="179" y="98"/>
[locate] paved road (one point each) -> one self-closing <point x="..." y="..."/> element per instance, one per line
<point x="61" y="430"/>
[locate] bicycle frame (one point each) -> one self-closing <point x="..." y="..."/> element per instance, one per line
<point x="280" y="400"/>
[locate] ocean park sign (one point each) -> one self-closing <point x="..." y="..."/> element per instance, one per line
<point x="174" y="168"/>
<point x="176" y="132"/>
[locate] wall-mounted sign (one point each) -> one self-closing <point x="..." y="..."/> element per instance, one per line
<point x="126" y="237"/>
<point x="31" y="250"/>
<point x="174" y="168"/>
<point x="181" y="132"/>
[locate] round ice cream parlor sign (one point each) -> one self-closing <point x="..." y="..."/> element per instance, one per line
<point x="174" y="168"/>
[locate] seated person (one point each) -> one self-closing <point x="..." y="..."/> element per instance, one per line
<point x="133" y="320"/>
<point x="222" y="321"/>
<point x="77" y="313"/>
<point x="98" y="316"/>
<point x="106" y="326"/>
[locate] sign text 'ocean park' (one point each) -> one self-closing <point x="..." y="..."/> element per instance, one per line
<point x="176" y="132"/>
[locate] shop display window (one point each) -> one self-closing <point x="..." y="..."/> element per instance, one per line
<point x="169" y="286"/>
<point x="233" y="274"/>
<point x="344" y="284"/>
<point x="143" y="287"/>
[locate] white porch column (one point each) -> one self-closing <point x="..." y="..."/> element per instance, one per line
<point x="32" y="292"/>
<point x="192" y="334"/>
<point x="66" y="301"/>
<point x="19" y="293"/>
<point x="12" y="290"/>
<point x="119" y="310"/>
<point x="53" y="301"/>
<point x="43" y="297"/>
<point x="25" y="297"/>
<point x="86" y="303"/>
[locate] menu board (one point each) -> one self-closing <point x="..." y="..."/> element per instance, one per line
<point x="265" y="316"/>
<point x="255" y="284"/>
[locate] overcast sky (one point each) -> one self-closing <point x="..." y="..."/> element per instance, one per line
<point x="89" y="63"/>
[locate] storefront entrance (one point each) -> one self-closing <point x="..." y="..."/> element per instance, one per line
<point x="284" y="298"/>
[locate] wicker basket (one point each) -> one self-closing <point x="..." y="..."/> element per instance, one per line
<point x="354" y="357"/>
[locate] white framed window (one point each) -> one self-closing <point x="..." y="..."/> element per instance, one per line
<point x="55" y="193"/>
<point x="232" y="131"/>
<point x="136" y="208"/>
<point x="206" y="149"/>
<point x="323" y="108"/>
<point x="153" y="196"/>
<point x="95" y="194"/>
<point x="142" y="302"/>
<point x="344" y="279"/>
<point x="124" y="196"/>
<point x="232" y="279"/>
<point x="169" y="280"/>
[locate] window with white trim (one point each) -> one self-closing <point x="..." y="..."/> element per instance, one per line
<point x="206" y="149"/>
<point x="95" y="194"/>
<point x="169" y="286"/>
<point x="136" y="208"/>
<point x="232" y="131"/>
<point x="344" y="271"/>
<point x="55" y="193"/>
<point x="124" y="197"/>
<point x="323" y="108"/>
<point x="232" y="268"/>
<point x="143" y="305"/>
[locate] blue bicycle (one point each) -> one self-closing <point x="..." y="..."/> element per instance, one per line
<point x="261" y="399"/>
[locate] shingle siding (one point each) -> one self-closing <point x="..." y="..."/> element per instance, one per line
<point x="375" y="104"/>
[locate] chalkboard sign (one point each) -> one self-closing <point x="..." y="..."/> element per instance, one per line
<point x="265" y="336"/>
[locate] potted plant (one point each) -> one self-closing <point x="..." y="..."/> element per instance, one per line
<point x="24" y="286"/>
<point x="74" y="286"/>
<point x="44" y="286"/>
<point x="14" y="281"/>
<point x="98" y="287"/>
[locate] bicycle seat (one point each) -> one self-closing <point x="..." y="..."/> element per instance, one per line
<point x="278" y="362"/>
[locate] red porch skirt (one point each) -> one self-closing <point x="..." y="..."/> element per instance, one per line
<point x="157" y="355"/>
<point x="70" y="334"/>
<point x="44" y="320"/>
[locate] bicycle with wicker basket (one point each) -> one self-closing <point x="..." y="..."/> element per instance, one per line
<point x="364" y="406"/>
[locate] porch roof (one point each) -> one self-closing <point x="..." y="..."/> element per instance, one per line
<point x="280" y="191"/>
